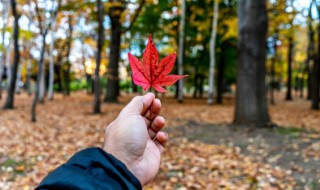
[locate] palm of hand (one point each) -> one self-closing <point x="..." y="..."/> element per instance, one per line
<point x="135" y="137"/>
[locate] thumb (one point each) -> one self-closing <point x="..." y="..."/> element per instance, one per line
<point x="138" y="105"/>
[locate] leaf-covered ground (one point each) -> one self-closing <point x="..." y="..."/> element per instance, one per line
<point x="28" y="151"/>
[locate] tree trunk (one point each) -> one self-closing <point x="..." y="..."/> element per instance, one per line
<point x="88" y="77"/>
<point x="58" y="71"/>
<point x="1" y="71"/>
<point x="212" y="51"/>
<point x="316" y="77"/>
<point x="289" y="82"/>
<point x="201" y="86"/>
<point x="272" y="83"/>
<point x="10" y="97"/>
<point x="28" y="80"/>
<point x="89" y="84"/>
<point x="273" y="64"/>
<point x="181" y="49"/>
<point x="29" y="63"/>
<point x="310" y="53"/>
<point x="195" y="82"/>
<point x="112" y="89"/>
<point x="42" y="87"/>
<point x="39" y="73"/>
<point x="176" y="94"/>
<point x="8" y="64"/>
<point x="51" y="64"/>
<point x="2" y="63"/>
<point x="4" y="16"/>
<point x="18" y="80"/>
<point x="96" y="103"/>
<point x="301" y="85"/>
<point x="251" y="104"/>
<point x="67" y="80"/>
<point x="134" y="86"/>
<point x="83" y="61"/>
<point x="220" y="77"/>
<point x="68" y="64"/>
<point x="309" y="80"/>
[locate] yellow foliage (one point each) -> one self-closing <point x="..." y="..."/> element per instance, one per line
<point x="124" y="15"/>
<point x="124" y="45"/>
<point x="232" y="25"/>
<point x="109" y="5"/>
<point x="90" y="41"/>
<point x="199" y="37"/>
<point x="91" y="66"/>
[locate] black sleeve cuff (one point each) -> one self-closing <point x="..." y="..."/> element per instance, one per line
<point x="91" y="169"/>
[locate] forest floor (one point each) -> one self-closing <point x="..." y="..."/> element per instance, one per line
<point x="205" y="151"/>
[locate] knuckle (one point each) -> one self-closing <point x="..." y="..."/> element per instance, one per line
<point x="136" y="99"/>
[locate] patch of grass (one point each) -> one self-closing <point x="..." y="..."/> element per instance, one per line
<point x="313" y="185"/>
<point x="9" y="162"/>
<point x="11" y="165"/>
<point x="293" y="132"/>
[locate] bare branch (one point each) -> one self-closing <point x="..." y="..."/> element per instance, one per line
<point x="38" y="16"/>
<point x="44" y="30"/>
<point x="54" y="16"/>
<point x="135" y="16"/>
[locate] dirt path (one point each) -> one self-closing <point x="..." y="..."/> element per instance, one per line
<point x="294" y="150"/>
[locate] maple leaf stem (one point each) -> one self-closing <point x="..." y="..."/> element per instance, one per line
<point x="153" y="91"/>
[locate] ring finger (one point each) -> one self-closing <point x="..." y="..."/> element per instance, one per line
<point x="156" y="125"/>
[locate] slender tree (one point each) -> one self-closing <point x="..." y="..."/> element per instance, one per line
<point x="4" y="16"/>
<point x="96" y="102"/>
<point x="44" y="28"/>
<point x="212" y="50"/>
<point x="10" y="96"/>
<point x="28" y="47"/>
<point x="67" y="64"/>
<point x="275" y="21"/>
<point x="290" y="50"/>
<point x="181" y="48"/>
<point x="83" y="35"/>
<point x="29" y="67"/>
<point x="220" y="75"/>
<point x="8" y="62"/>
<point x="42" y="83"/>
<point x="83" y="61"/>
<point x="51" y="64"/>
<point x="310" y="52"/>
<point x="289" y="69"/>
<point x="18" y="79"/>
<point x="316" y="78"/>
<point x="251" y="103"/>
<point x="316" y="68"/>
<point x="273" y="65"/>
<point x="115" y="12"/>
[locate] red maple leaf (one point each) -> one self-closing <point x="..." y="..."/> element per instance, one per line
<point x="152" y="73"/>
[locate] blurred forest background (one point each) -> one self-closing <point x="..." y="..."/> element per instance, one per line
<point x="251" y="63"/>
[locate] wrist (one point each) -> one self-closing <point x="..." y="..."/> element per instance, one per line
<point x="131" y="166"/>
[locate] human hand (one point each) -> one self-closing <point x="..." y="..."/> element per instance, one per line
<point x="135" y="137"/>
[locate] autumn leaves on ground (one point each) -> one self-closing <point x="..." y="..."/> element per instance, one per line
<point x="28" y="151"/>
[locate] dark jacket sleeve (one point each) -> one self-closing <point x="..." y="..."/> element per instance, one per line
<point x="91" y="169"/>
